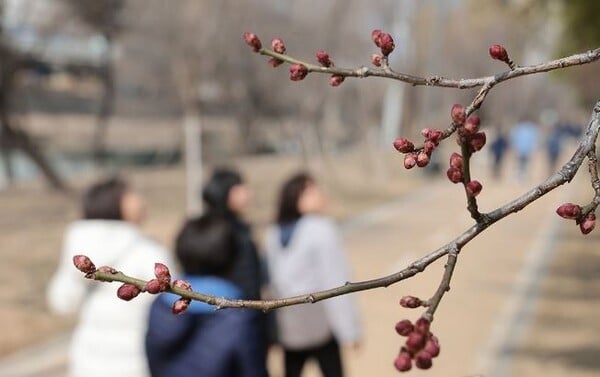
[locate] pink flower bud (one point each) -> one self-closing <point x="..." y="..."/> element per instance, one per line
<point x="403" y="362"/>
<point x="588" y="224"/>
<point x="454" y="175"/>
<point x="477" y="141"/>
<point x="456" y="160"/>
<point x="422" y="325"/>
<point x="376" y="60"/>
<point x="128" y="291"/>
<point x="253" y="41"/>
<point x="298" y="72"/>
<point x="428" y="147"/>
<point x="278" y="46"/>
<point x="422" y="159"/>
<point x="415" y="341"/>
<point x="569" y="211"/>
<point x="386" y="43"/>
<point x="404" y="327"/>
<point x="84" y="264"/>
<point x="323" y="58"/>
<point x="182" y="284"/>
<point x="274" y="62"/>
<point x="458" y="114"/>
<point x="180" y="305"/>
<point x="473" y="188"/>
<point x="498" y="52"/>
<point x="403" y="145"/>
<point x="336" y="80"/>
<point x="410" y="160"/>
<point x="107" y="270"/>
<point x="432" y="347"/>
<point x="434" y="136"/>
<point x="472" y="124"/>
<point x="410" y="302"/>
<point x="162" y="272"/>
<point x="375" y="36"/>
<point x="423" y="360"/>
<point x="154" y="286"/>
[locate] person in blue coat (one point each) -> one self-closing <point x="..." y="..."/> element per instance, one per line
<point x="203" y="341"/>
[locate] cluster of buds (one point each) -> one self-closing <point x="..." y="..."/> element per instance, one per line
<point x="253" y="41"/>
<point x="279" y="47"/>
<point x="572" y="211"/>
<point x="498" y="52"/>
<point x="384" y="41"/>
<point x="420" y="157"/>
<point x="161" y="282"/>
<point x="84" y="264"/>
<point x="421" y="345"/>
<point x="181" y="304"/>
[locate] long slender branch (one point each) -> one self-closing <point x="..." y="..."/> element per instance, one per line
<point x="434" y="301"/>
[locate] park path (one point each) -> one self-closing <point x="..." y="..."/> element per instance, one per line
<point x="492" y="295"/>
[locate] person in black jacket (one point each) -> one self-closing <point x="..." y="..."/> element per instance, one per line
<point x="204" y="342"/>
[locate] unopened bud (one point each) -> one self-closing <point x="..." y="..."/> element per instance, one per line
<point x="455" y="175"/>
<point x="477" y="141"/>
<point x="386" y="43"/>
<point x="456" y="160"/>
<point x="182" y="284"/>
<point x="162" y="272"/>
<point x="473" y="188"/>
<point x="423" y="360"/>
<point x="128" y="291"/>
<point x="336" y="80"/>
<point x="278" y="46"/>
<point x="84" y="264"/>
<point x="410" y="302"/>
<point x="498" y="52"/>
<point x="154" y="286"/>
<point x="410" y="160"/>
<point x="432" y="347"/>
<point x="403" y="145"/>
<point x="180" y="306"/>
<point x="404" y="327"/>
<point x="376" y="60"/>
<point x="434" y="136"/>
<point x="472" y="124"/>
<point x="415" y="341"/>
<point x="569" y="211"/>
<point x="422" y="325"/>
<point x="588" y="224"/>
<point x="323" y="58"/>
<point x="428" y="147"/>
<point x="253" y="41"/>
<point x="403" y="362"/>
<point x="274" y="62"/>
<point x="298" y="72"/>
<point x="375" y="36"/>
<point x="458" y="114"/>
<point x="422" y="159"/>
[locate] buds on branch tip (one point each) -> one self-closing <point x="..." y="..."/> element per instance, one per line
<point x="498" y="52"/>
<point x="180" y="305"/>
<point x="376" y="60"/>
<point x="323" y="58"/>
<point x="404" y="327"/>
<point x="458" y="114"/>
<point x="252" y="41"/>
<point x="410" y="302"/>
<point x="422" y="159"/>
<point x="588" y="223"/>
<point x="569" y="211"/>
<point x="403" y="362"/>
<point x="336" y="80"/>
<point x="384" y="41"/>
<point x="403" y="145"/>
<point x="298" y="72"/>
<point x="162" y="272"/>
<point x="128" y="291"/>
<point x="421" y="345"/>
<point x="278" y="46"/>
<point x="423" y="360"/>
<point x="410" y="160"/>
<point x="84" y="264"/>
<point x="473" y="188"/>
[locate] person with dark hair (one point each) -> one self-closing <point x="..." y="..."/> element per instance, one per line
<point x="109" y="234"/>
<point x="304" y="254"/>
<point x="203" y="341"/>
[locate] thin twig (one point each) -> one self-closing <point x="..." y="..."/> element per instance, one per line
<point x="434" y="301"/>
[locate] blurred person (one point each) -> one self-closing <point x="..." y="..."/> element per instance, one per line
<point x="498" y="150"/>
<point x="523" y="140"/>
<point x="109" y="337"/>
<point x="304" y="254"/>
<point x="554" y="146"/>
<point x="203" y="341"/>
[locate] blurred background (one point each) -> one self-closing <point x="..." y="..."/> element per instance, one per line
<point x="162" y="92"/>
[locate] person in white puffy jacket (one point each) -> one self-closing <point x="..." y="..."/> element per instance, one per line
<point x="304" y="254"/>
<point x="109" y="337"/>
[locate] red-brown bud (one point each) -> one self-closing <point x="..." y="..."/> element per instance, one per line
<point x="253" y="41"/>
<point x="423" y="360"/>
<point x="410" y="302"/>
<point x="154" y="286"/>
<point x="410" y="160"/>
<point x="128" y="292"/>
<point x="428" y="147"/>
<point x="376" y="60"/>
<point x="434" y="136"/>
<point x="403" y="145"/>
<point x="422" y="325"/>
<point x="180" y="305"/>
<point x="477" y="141"/>
<point x="498" y="52"/>
<point x="298" y="72"/>
<point x="278" y="46"/>
<point x="569" y="211"/>
<point x="456" y="160"/>
<point x="182" y="284"/>
<point x="432" y="347"/>
<point x="323" y="58"/>
<point x="84" y="264"/>
<point x="473" y="188"/>
<point x="404" y="327"/>
<point x="386" y="43"/>
<point x="588" y="224"/>
<point x="455" y="175"/>
<point x="336" y="80"/>
<point x="458" y="114"/>
<point x="162" y="272"/>
<point x="403" y="362"/>
<point x="375" y="36"/>
<point x="274" y="62"/>
<point x="472" y="124"/>
<point x="422" y="159"/>
<point x="415" y="341"/>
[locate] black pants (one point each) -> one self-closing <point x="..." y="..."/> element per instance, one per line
<point x="328" y="356"/>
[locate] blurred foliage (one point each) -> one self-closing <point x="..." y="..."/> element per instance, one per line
<point x="580" y="25"/>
